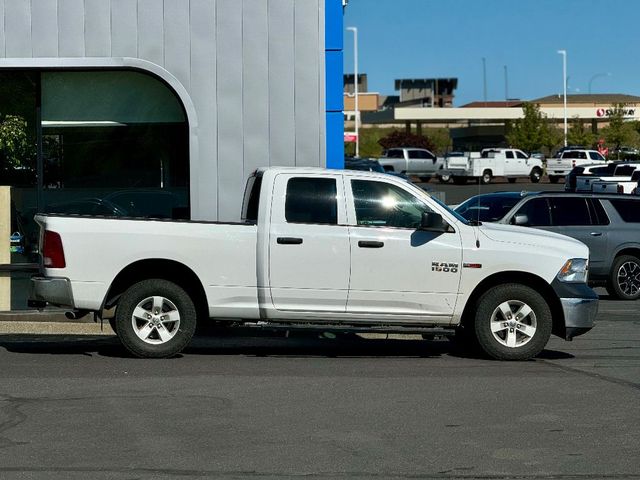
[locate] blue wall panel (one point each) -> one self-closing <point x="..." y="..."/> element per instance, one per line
<point x="335" y="140"/>
<point x="334" y="67"/>
<point x="334" y="70"/>
<point x="334" y="31"/>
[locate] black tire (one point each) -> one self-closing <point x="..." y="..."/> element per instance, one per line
<point x="486" y="177"/>
<point x="512" y="297"/>
<point x="112" y="324"/>
<point x="512" y="180"/>
<point x="459" y="180"/>
<point x="536" y="175"/>
<point x="444" y="178"/>
<point x="624" y="279"/>
<point x="178" y="332"/>
<point x="553" y="179"/>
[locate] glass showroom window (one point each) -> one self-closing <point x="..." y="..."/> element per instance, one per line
<point x="107" y="143"/>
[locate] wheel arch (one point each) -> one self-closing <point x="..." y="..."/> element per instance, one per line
<point x="523" y="278"/>
<point x="633" y="250"/>
<point x="165" y="269"/>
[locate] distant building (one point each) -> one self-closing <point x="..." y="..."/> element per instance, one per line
<point x="483" y="124"/>
<point x="427" y="92"/>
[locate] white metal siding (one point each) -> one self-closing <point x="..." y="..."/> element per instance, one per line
<point x="254" y="70"/>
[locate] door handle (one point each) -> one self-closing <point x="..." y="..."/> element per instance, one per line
<point x="596" y="234"/>
<point x="370" y="244"/>
<point x="289" y="241"/>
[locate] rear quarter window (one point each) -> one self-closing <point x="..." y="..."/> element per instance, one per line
<point x="629" y="210"/>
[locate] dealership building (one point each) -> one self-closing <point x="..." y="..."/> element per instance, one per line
<point x="158" y="108"/>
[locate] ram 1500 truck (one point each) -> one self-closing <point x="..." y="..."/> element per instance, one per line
<point x="334" y="249"/>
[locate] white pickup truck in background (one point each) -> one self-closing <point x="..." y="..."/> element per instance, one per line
<point x="493" y="162"/>
<point x="624" y="180"/>
<point x="569" y="159"/>
<point x="418" y="162"/>
<point x="330" y="249"/>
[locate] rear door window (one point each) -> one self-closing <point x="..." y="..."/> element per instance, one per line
<point x="509" y="154"/>
<point x="569" y="211"/>
<point x="312" y="200"/>
<point x="598" y="213"/>
<point x="537" y="212"/>
<point x="629" y="210"/>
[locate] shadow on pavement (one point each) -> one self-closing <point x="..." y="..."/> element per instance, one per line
<point x="256" y="344"/>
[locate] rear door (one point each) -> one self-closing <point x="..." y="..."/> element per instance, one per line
<point x="309" y="253"/>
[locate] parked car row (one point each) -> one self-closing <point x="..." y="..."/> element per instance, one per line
<point x="608" y="224"/>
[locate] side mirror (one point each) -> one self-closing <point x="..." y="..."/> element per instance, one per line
<point x="520" y="219"/>
<point x="433" y="222"/>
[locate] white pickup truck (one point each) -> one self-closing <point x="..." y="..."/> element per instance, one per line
<point x="345" y="250"/>
<point x="560" y="166"/>
<point x="494" y="162"/>
<point x="624" y="180"/>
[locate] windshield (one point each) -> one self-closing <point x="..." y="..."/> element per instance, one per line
<point x="490" y="208"/>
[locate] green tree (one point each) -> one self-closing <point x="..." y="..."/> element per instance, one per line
<point x="579" y="134"/>
<point x="619" y="132"/>
<point x="528" y="133"/>
<point x="16" y="149"/>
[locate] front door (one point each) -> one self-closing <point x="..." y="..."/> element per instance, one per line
<point x="397" y="269"/>
<point x="308" y="244"/>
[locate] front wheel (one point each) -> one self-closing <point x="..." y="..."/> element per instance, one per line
<point x="624" y="280"/>
<point x="444" y="178"/>
<point x="155" y="319"/>
<point x="512" y="322"/>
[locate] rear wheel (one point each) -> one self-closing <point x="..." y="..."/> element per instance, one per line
<point x="624" y="279"/>
<point x="486" y="178"/>
<point x="444" y="178"/>
<point x="553" y="179"/>
<point x="155" y="319"/>
<point x="536" y="175"/>
<point x="512" y="322"/>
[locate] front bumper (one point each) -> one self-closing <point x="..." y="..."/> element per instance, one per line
<point x="56" y="291"/>
<point x="579" y="306"/>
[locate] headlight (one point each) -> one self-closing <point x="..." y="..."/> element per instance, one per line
<point x="574" y="271"/>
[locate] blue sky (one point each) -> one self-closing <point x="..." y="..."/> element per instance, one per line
<point x="448" y="38"/>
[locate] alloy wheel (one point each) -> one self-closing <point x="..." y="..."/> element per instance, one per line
<point x="513" y="323"/>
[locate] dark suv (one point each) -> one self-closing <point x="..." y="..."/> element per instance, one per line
<point x="608" y="224"/>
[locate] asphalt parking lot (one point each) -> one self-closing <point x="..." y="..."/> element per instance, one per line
<point x="308" y="406"/>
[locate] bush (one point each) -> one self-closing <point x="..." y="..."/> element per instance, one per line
<point x="398" y="138"/>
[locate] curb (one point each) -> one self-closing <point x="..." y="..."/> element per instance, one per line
<point x="54" y="328"/>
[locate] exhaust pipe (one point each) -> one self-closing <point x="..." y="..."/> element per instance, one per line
<point x="76" y="314"/>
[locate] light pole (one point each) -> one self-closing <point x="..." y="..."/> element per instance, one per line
<point x="355" y="71"/>
<point x="506" y="84"/>
<point x="608" y="74"/>
<point x="484" y="80"/>
<point x="564" y="89"/>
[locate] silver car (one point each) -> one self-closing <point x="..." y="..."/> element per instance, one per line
<point x="608" y="224"/>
